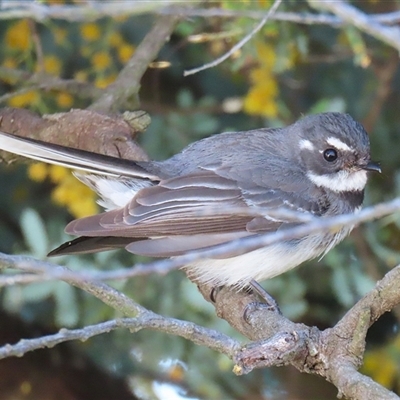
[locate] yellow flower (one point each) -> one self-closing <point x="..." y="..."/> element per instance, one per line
<point x="101" y="60"/>
<point x="24" y="99"/>
<point x="60" y="195"/>
<point x="77" y="197"/>
<point x="87" y="206"/>
<point x="10" y="63"/>
<point x="266" y="55"/>
<point x="52" y="65"/>
<point x="261" y="78"/>
<point x="64" y="100"/>
<point x="125" y="52"/>
<point x="90" y="32"/>
<point x="38" y="172"/>
<point x="18" y="35"/>
<point x="115" y="39"/>
<point x="261" y="98"/>
<point x="261" y="101"/>
<point x="58" y="173"/>
<point x="259" y="75"/>
<point x="264" y="3"/>
<point x="81" y="76"/>
<point x="103" y="81"/>
<point x="381" y="367"/>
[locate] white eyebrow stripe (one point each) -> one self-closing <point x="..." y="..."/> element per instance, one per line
<point x="338" y="144"/>
<point x="306" y="144"/>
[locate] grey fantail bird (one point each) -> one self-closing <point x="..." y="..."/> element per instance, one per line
<point x="193" y="201"/>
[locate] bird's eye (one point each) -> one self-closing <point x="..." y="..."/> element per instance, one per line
<point x="330" y="155"/>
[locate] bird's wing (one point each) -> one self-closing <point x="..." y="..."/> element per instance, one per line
<point x="190" y="212"/>
<point x="201" y="203"/>
<point x="72" y="158"/>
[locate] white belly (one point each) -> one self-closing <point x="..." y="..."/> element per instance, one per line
<point x="263" y="263"/>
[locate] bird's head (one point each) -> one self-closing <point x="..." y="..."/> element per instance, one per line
<point x="334" y="151"/>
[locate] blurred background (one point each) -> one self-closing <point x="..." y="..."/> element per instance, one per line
<point x="286" y="71"/>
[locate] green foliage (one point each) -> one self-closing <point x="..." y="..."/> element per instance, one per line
<point x="34" y="233"/>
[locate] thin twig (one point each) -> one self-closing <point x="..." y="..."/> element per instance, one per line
<point x="238" y="45"/>
<point x="46" y="82"/>
<point x="353" y="16"/>
<point x="85" y="11"/>
<point x="305" y="18"/>
<point x="127" y="84"/>
<point x="22" y="279"/>
<point x="38" y="45"/>
<point x="94" y="11"/>
<point x="239" y="246"/>
<point x="102" y="291"/>
<point x="149" y="320"/>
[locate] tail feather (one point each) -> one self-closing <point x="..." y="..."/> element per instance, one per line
<point x="86" y="245"/>
<point x="72" y="158"/>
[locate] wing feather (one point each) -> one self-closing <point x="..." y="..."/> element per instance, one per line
<point x="188" y="209"/>
<point x="177" y="245"/>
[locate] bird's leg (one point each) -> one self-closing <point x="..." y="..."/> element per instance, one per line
<point x="270" y="301"/>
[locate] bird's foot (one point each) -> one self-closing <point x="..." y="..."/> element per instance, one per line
<point x="270" y="302"/>
<point x="256" y="306"/>
<point x="254" y="287"/>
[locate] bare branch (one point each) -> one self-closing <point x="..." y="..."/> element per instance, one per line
<point x="281" y="341"/>
<point x="102" y="291"/>
<point x="353" y="328"/>
<point x="148" y="320"/>
<point x="127" y="84"/>
<point x="391" y="18"/>
<point x="46" y="82"/>
<point x="278" y="341"/>
<point x="22" y="279"/>
<point x="353" y="16"/>
<point x="88" y="11"/>
<point x="354" y="385"/>
<point x="95" y="10"/>
<point x="381" y="299"/>
<point x="238" y="45"/>
<point x="38" y="45"/>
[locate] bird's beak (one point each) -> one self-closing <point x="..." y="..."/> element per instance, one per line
<point x="372" y="166"/>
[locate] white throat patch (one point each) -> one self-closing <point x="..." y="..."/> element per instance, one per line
<point x="341" y="181"/>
